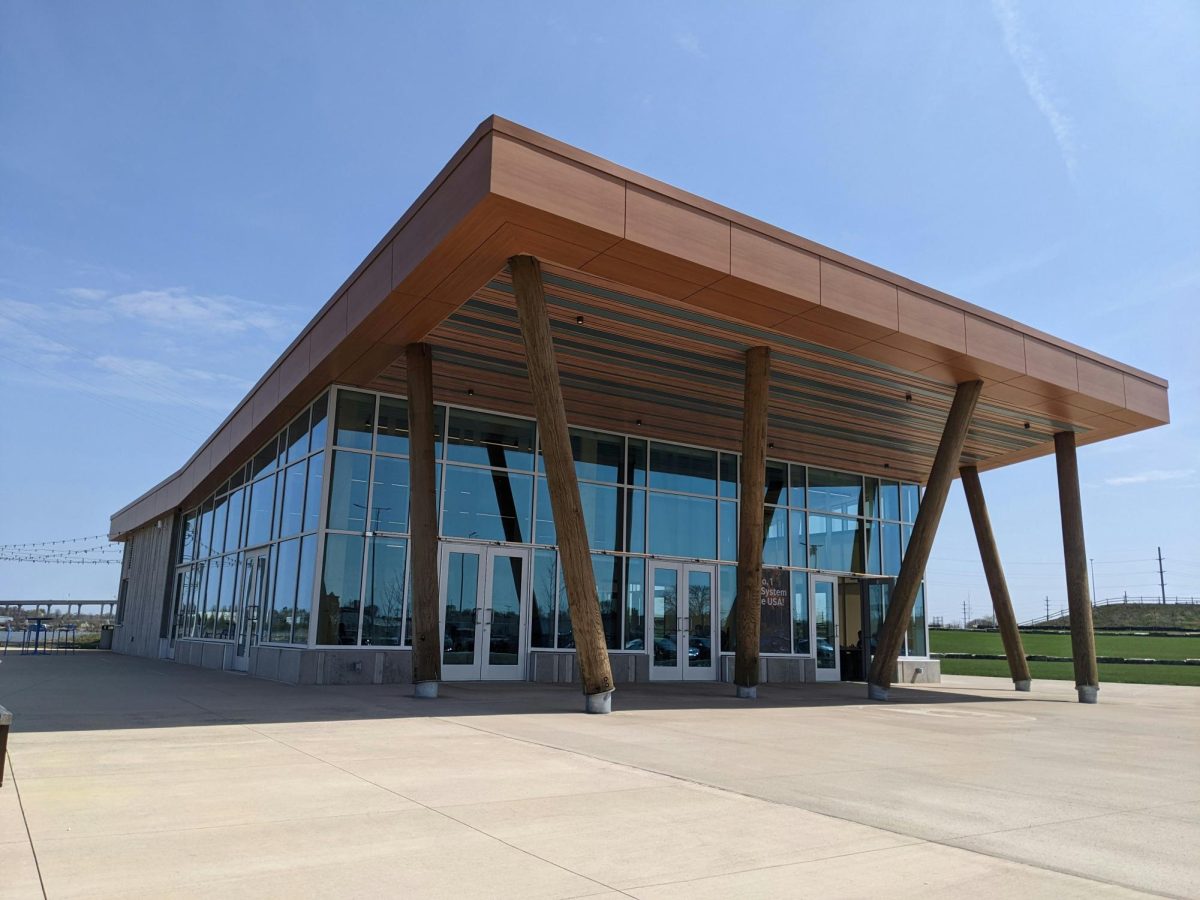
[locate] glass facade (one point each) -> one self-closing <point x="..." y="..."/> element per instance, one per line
<point x="340" y="554"/>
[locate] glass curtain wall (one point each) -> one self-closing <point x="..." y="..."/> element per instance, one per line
<point x="343" y="549"/>
<point x="271" y="503"/>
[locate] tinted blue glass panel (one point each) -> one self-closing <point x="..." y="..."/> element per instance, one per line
<point x="798" y="493"/>
<point x="233" y="520"/>
<point x="312" y="494"/>
<point x="389" y="498"/>
<point x="683" y="526"/>
<point x="391" y="435"/>
<point x="834" y="492"/>
<point x="916" y="628"/>
<point x="871" y="497"/>
<point x="541" y="633"/>
<point x="871" y="536"/>
<point x="204" y="528"/>
<point x="601" y="514"/>
<point x="304" y="588"/>
<point x="889" y="534"/>
<point x="775" y="536"/>
<point x="387" y="585"/>
<point x="729" y="531"/>
<point x="297" y="438"/>
<point x="796" y="524"/>
<point x="637" y="458"/>
<point x="635" y="604"/>
<point x="889" y="500"/>
<point x="729" y="476"/>
<point x="320" y="419"/>
<point x="610" y="589"/>
<point x="341" y="587"/>
<point x="910" y="500"/>
<point x="598" y="456"/>
<point x="487" y="505"/>
<point x="635" y="521"/>
<point x="220" y="517"/>
<point x="800" y="631"/>
<point x="834" y="544"/>
<point x="278" y="627"/>
<point x="675" y="468"/>
<point x="294" y="479"/>
<point x="490" y="439"/>
<point x="258" y="518"/>
<point x="348" y="491"/>
<point x="354" y="420"/>
<point x="775" y="484"/>
<point x="727" y="579"/>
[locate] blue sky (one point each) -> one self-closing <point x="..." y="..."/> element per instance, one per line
<point x="182" y="185"/>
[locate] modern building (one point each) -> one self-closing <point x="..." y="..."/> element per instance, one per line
<point x="298" y="540"/>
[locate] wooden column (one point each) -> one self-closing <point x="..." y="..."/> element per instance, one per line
<point x="750" y="524"/>
<point x="591" y="650"/>
<point x="423" y="534"/>
<point x="1006" y="620"/>
<point x="1083" y="639"/>
<point x="912" y="569"/>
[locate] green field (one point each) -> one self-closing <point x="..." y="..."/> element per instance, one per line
<point x="1124" y="645"/>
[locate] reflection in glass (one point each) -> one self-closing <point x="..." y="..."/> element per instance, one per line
<point x="835" y="492"/>
<point x="598" y="456"/>
<point x="635" y="521"/>
<point x="277" y="626"/>
<point x="635" y="604"/>
<point x="890" y="538"/>
<point x="666" y="622"/>
<point x="341" y="581"/>
<point x="312" y="495"/>
<point x="220" y="511"/>
<point x="204" y="542"/>
<point x="728" y="531"/>
<point x="729" y="476"/>
<point x="796" y="524"/>
<point x="297" y="438"/>
<point x="683" y="526"/>
<point x="291" y="519"/>
<point x="910" y="500"/>
<point x="348" y="491"/>
<point x="871" y="534"/>
<point x="565" y="634"/>
<point x="610" y="591"/>
<point x="233" y="520"/>
<point x="265" y="458"/>
<point x="637" y="462"/>
<point x="889" y="500"/>
<point x="727" y="580"/>
<point x="487" y="505"/>
<point x="229" y="570"/>
<point x="700" y="650"/>
<point x="800" y="635"/>
<point x="462" y="599"/>
<point x="798" y="493"/>
<point x="383" y="613"/>
<point x="304" y="588"/>
<point x="676" y="468"/>
<point x="389" y="497"/>
<point x="916" y="628"/>
<point x="776" y="483"/>
<point x="775" y="536"/>
<point x="541" y="632"/>
<point x="823" y="603"/>
<point x="871" y="497"/>
<point x="833" y="544"/>
<point x="211" y="592"/>
<point x="354" y="420"/>
<point x="490" y="439"/>
<point x="258" y="518"/>
<point x="504" y="629"/>
<point x="318" y="432"/>
<point x="391" y="434"/>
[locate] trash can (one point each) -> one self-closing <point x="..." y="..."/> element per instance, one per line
<point x="106" y="636"/>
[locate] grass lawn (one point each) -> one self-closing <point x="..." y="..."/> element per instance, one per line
<point x="1133" y="674"/>
<point x="1126" y="645"/>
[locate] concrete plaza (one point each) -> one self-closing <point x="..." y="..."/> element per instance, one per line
<point x="135" y="778"/>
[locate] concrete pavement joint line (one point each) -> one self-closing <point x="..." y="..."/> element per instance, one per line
<point x="884" y="828"/>
<point x="443" y="814"/>
<point x="25" y="821"/>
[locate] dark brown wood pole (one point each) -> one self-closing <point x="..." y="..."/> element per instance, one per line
<point x="591" y="651"/>
<point x="1083" y="639"/>
<point x="423" y="533"/>
<point x="1006" y="620"/>
<point x="750" y="523"/>
<point x="912" y="569"/>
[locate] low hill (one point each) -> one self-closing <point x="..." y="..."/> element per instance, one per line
<point x="1185" y="616"/>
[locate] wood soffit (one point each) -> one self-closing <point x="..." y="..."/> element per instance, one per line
<point x="510" y="190"/>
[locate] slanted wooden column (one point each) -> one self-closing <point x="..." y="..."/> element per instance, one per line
<point x="1083" y="639"/>
<point x="750" y="524"/>
<point x="912" y="569"/>
<point x="423" y="527"/>
<point x="1006" y="620"/>
<point x="591" y="651"/>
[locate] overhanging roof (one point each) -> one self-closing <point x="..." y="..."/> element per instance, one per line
<point x="670" y="289"/>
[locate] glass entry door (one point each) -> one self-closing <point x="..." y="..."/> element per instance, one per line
<point x="824" y="593"/>
<point x="485" y="595"/>
<point x="680" y="626"/>
<point x="252" y="588"/>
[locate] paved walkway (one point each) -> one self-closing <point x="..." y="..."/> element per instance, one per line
<point x="134" y="778"/>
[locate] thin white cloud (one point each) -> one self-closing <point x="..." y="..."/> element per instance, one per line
<point x="86" y="293"/>
<point x="1029" y="64"/>
<point x="689" y="42"/>
<point x="1149" y="476"/>
<point x="176" y="308"/>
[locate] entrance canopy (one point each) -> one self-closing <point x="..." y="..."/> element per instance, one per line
<point x="654" y="296"/>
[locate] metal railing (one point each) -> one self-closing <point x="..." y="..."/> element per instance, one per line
<point x="1156" y="600"/>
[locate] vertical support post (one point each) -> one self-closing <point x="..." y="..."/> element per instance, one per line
<point x="912" y="568"/>
<point x="750" y="523"/>
<point x="591" y="650"/>
<point x="423" y="536"/>
<point x="1083" y="639"/>
<point x="1006" y="619"/>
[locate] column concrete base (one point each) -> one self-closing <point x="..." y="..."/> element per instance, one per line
<point x="1088" y="693"/>
<point x="598" y="704"/>
<point x="1022" y="685"/>
<point x="747" y="693"/>
<point x="426" y="690"/>
<point x="875" y="692"/>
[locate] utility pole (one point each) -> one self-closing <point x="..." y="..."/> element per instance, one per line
<point x="1047" y="607"/>
<point x="965" y="614"/>
<point x="1162" y="583"/>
